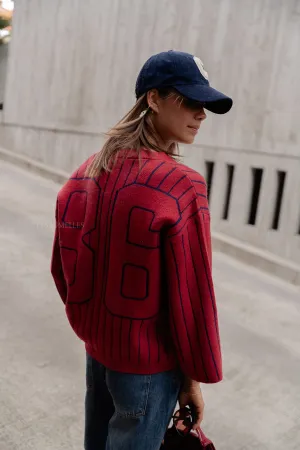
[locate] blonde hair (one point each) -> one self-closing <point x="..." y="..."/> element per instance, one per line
<point x="135" y="131"/>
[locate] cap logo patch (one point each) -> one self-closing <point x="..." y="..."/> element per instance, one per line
<point x="200" y="66"/>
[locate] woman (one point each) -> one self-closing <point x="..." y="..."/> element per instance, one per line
<point x="132" y="262"/>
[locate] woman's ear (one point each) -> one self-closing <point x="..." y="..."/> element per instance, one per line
<point x="153" y="100"/>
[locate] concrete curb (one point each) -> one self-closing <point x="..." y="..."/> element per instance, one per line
<point x="245" y="253"/>
<point x="57" y="175"/>
<point x="260" y="259"/>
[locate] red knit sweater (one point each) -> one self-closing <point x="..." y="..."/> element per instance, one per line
<point x="132" y="263"/>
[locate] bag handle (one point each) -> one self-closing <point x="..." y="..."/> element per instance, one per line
<point x="185" y="415"/>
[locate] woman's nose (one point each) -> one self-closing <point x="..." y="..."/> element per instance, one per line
<point x="201" y="114"/>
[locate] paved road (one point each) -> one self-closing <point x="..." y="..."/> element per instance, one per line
<point x="42" y="363"/>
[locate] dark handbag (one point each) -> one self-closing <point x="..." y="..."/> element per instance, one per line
<point x="181" y="436"/>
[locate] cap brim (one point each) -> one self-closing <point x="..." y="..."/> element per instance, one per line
<point x="214" y="100"/>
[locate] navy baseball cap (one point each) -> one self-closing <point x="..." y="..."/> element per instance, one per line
<point x="185" y="73"/>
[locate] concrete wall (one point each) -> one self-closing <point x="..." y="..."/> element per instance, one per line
<point x="3" y="69"/>
<point x="71" y="75"/>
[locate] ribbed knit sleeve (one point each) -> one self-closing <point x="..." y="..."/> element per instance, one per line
<point x="192" y="304"/>
<point x="56" y="262"/>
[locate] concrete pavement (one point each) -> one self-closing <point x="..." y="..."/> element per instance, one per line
<point x="257" y="406"/>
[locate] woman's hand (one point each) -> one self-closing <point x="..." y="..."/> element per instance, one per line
<point x="191" y="396"/>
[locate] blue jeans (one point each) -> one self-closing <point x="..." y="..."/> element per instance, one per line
<point x="126" y="411"/>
